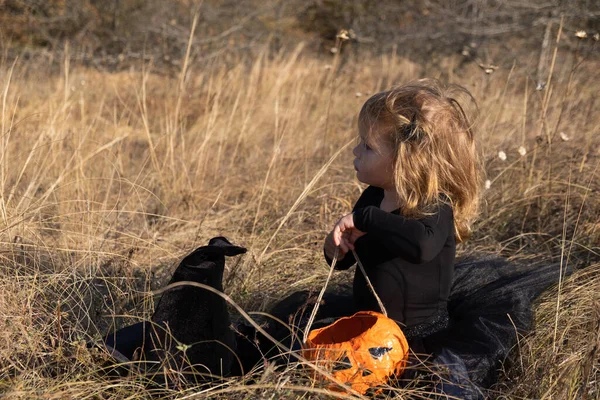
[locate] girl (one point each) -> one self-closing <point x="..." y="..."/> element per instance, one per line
<point x="418" y="156"/>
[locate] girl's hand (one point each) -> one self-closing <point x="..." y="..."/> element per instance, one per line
<point x="345" y="234"/>
<point x="330" y="247"/>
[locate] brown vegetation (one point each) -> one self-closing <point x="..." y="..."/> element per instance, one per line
<point x="108" y="178"/>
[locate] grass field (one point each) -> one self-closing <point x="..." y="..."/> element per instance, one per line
<point x="108" y="178"/>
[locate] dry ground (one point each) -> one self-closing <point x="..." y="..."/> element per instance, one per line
<point x="107" y="179"/>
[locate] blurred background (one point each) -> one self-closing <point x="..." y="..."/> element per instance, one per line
<point x="115" y="33"/>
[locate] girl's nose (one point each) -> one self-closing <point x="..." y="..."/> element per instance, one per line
<point x="356" y="151"/>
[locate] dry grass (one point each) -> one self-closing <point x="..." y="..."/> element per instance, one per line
<point x="108" y="178"/>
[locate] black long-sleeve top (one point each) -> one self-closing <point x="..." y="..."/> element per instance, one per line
<point x="410" y="262"/>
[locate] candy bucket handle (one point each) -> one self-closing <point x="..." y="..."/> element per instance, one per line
<point x="383" y="310"/>
<point x="313" y="314"/>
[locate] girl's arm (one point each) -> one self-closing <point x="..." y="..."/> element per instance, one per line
<point x="418" y="240"/>
<point x="347" y="260"/>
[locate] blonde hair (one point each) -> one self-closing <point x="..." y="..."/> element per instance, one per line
<point x="434" y="152"/>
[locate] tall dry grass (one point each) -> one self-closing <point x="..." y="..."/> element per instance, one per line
<point x="107" y="179"/>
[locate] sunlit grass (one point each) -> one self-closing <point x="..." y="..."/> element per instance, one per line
<point x="107" y="179"/>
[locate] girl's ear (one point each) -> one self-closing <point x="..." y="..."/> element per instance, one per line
<point x="228" y="248"/>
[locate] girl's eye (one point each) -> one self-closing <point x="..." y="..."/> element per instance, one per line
<point x="361" y="141"/>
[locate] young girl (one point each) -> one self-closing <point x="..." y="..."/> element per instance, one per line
<point x="417" y="154"/>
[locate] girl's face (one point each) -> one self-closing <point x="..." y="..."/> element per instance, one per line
<point x="374" y="164"/>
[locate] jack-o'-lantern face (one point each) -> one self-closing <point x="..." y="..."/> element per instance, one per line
<point x="362" y="351"/>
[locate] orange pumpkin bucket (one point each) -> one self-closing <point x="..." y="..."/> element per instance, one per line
<point x="362" y="351"/>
